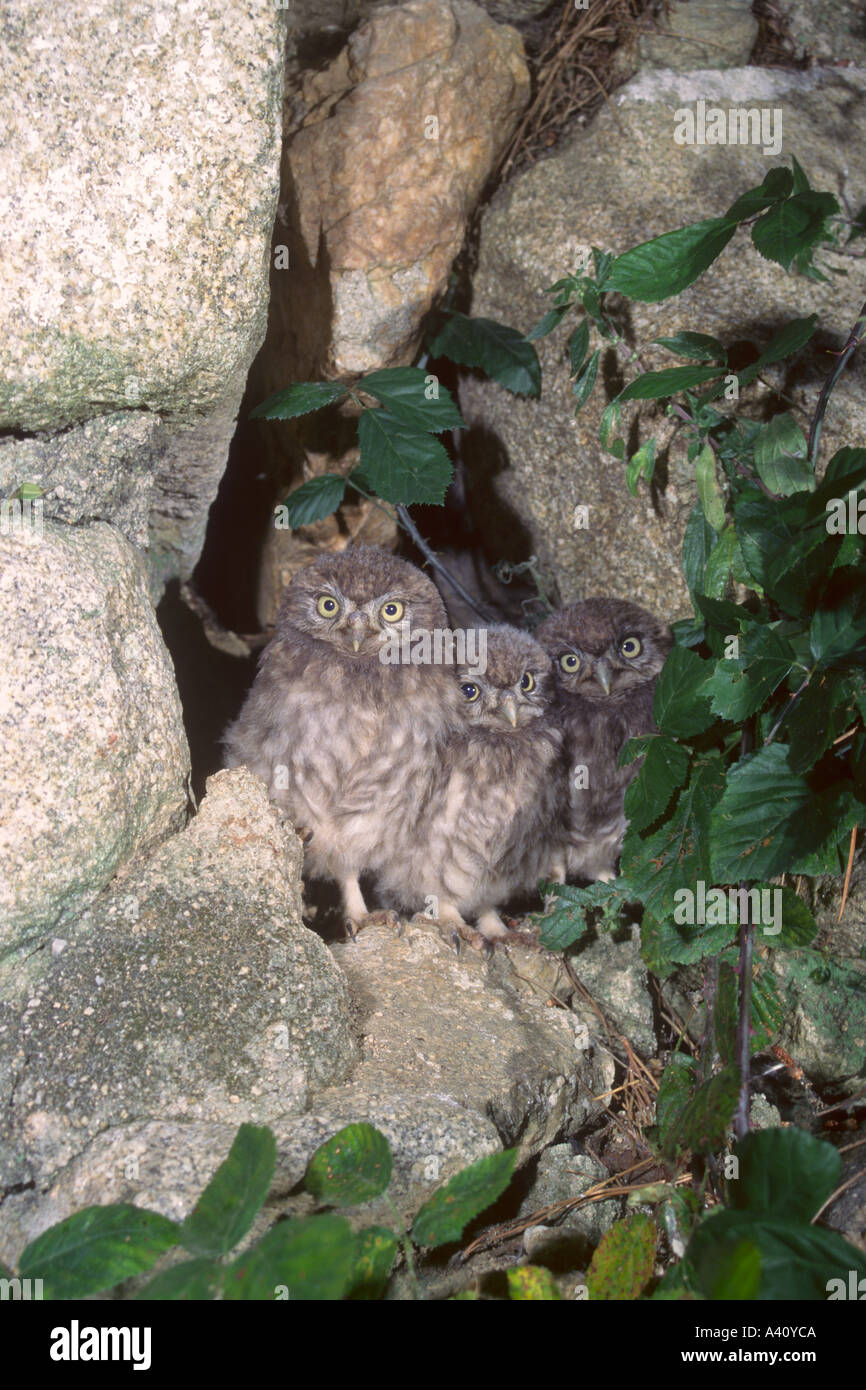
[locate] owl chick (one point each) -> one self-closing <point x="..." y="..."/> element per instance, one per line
<point x="345" y="739"/>
<point x="606" y="654"/>
<point x="486" y="829"/>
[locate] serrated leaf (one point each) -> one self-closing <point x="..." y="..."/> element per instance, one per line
<point x="666" y="944"/>
<point x="351" y="1167"/>
<point x="443" y="1218"/>
<point x="780" y="456"/>
<point x="698" y="346"/>
<point x="780" y="546"/>
<point x="193" y="1281"/>
<point x="552" y="319"/>
<point x="785" y="343"/>
<point x="698" y="542"/>
<point x="766" y="1010"/>
<point x="582" y="388"/>
<point x="400" y="466"/>
<point x="226" y="1209"/>
<point x="800" y="183"/>
<point x="666" y="265"/>
<point x="501" y="352"/>
<point x="679" y="706"/>
<point x="532" y="1282"/>
<point x="622" y="1264"/>
<point x="405" y="394"/>
<point x="720" y="563"/>
<point x="821" y="714"/>
<point x="739" y="687"/>
<point x="566" y="923"/>
<point x="679" y="851"/>
<point x="315" y="499"/>
<point x="796" y="1261"/>
<point x="777" y="184"/>
<point x="793" y="226"/>
<point x="665" y="768"/>
<point x="298" y="399"/>
<point x="97" y="1248"/>
<point x="655" y="385"/>
<point x="703" y="1121"/>
<point x="375" y="1249"/>
<point x="310" y="1259"/>
<point x="784" y="1172"/>
<point x="674" y="1093"/>
<point x="768" y="819"/>
<point x="710" y="493"/>
<point x="839" y="633"/>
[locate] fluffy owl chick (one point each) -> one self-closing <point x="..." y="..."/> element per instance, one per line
<point x="346" y="741"/>
<point x="486" y="830"/>
<point x="606" y="655"/>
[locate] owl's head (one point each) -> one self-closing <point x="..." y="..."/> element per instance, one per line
<point x="604" y="647"/>
<point x="516" y="685"/>
<point x="357" y="599"/>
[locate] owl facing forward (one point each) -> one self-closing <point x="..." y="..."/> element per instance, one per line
<point x="486" y="830"/>
<point x="345" y="739"/>
<point x="606" y="654"/>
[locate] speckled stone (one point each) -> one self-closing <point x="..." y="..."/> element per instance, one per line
<point x="93" y="755"/>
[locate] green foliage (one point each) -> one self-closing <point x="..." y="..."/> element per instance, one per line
<point x="622" y="1264"/>
<point x="532" y="1282"/>
<point x="318" y="1257"/>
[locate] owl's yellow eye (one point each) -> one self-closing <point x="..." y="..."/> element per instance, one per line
<point x="570" y="663"/>
<point x="630" y="647"/>
<point x="470" y="690"/>
<point x="327" y="606"/>
<point x="392" y="611"/>
<point x="527" y="682"/>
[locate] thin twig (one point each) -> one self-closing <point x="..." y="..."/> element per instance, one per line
<point x="854" y="340"/>
<point x="433" y="559"/>
<point x="847" y="875"/>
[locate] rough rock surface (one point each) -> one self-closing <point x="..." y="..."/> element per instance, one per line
<point x="189" y="996"/>
<point x="561" y="1176"/>
<point x="828" y="29"/>
<point x="400" y="133"/>
<point x="93" y="756"/>
<point x="618" y="183"/>
<point x="138" y="183"/>
<point x="701" y="34"/>
<point x="616" y="977"/>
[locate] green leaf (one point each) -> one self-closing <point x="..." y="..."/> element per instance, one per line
<point x="703" y="1122"/>
<point x="193" y="1281"/>
<point x="784" y="1172"/>
<point x="552" y="319"/>
<point x="97" y="1248"/>
<point x="311" y="1259"/>
<point x="654" y="385"/>
<point x="622" y="1264"/>
<point x="801" y="183"/>
<point x="793" y="226"/>
<point x="28" y="492"/>
<point x="226" y="1209"/>
<point x="501" y="352"/>
<point x="582" y="388"/>
<point x="768" y="818"/>
<point x="400" y="466"/>
<point x="680" y="708"/>
<point x="463" y="1197"/>
<point x="679" y="851"/>
<point x="777" y="184"/>
<point x="780" y="456"/>
<point x="666" y="265"/>
<point x="739" y="687"/>
<point x="698" y="542"/>
<point x="578" y="346"/>
<point x="666" y="944"/>
<point x="766" y="1011"/>
<point x="532" y="1282"/>
<point x="796" y="1261"/>
<point x="720" y="564"/>
<point x="710" y="493"/>
<point x="785" y="343"/>
<point x="567" y="922"/>
<point x="839" y="633"/>
<point x="641" y="464"/>
<point x="778" y="544"/>
<point x="353" y="1166"/>
<point x="821" y="714"/>
<point x="375" y="1248"/>
<point x="674" y="1093"/>
<point x="726" y="1012"/>
<point x="298" y="399"/>
<point x="405" y="392"/>
<point x="317" y="498"/>
<point x="665" y="768"/>
<point x="699" y="346"/>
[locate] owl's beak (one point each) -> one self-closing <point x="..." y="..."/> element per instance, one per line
<point x="508" y="709"/>
<point x="356" y="623"/>
<point x="603" y="674"/>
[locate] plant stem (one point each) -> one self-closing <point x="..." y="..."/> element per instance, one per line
<point x="855" y="338"/>
<point x="430" y="555"/>
<point x="744" y="1018"/>
<point x="406" y="1242"/>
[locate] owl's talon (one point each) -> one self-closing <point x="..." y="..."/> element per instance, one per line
<point x="455" y="940"/>
<point x="349" y="928"/>
<point x="305" y="834"/>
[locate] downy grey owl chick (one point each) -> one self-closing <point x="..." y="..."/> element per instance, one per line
<point x="606" y="654"/>
<point x="345" y="741"/>
<point x="485" y="832"/>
